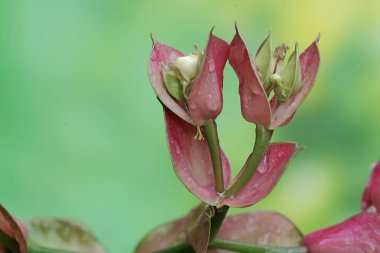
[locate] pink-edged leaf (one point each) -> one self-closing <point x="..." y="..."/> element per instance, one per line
<point x="205" y="99"/>
<point x="199" y="235"/>
<point x="62" y="234"/>
<point x="11" y="227"/>
<point x="161" y="55"/>
<point x="265" y="177"/>
<point x="192" y="160"/>
<point x="254" y="102"/>
<point x="177" y="232"/>
<point x="371" y="195"/>
<point x="309" y="61"/>
<point x="264" y="228"/>
<point x="359" y="234"/>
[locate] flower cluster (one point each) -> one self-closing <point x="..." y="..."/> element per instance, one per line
<point x="190" y="90"/>
<point x="271" y="91"/>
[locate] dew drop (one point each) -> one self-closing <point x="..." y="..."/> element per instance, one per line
<point x="211" y="66"/>
<point x="280" y="154"/>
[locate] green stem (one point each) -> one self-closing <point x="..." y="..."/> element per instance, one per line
<point x="217" y="221"/>
<point x="211" y="135"/>
<point x="39" y="249"/>
<point x="250" y="248"/>
<point x="183" y="247"/>
<point x="8" y="242"/>
<point x="263" y="137"/>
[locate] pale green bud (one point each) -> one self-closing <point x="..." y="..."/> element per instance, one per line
<point x="173" y="85"/>
<point x="290" y="78"/>
<point x="263" y="60"/>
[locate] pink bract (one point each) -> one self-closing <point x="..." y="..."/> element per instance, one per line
<point x="359" y="234"/>
<point x="205" y="100"/>
<point x="371" y="196"/>
<point x="14" y="229"/>
<point x="192" y="160"/>
<point x="255" y="105"/>
<point x="266" y="176"/>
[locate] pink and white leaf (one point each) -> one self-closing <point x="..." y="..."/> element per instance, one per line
<point x="253" y="99"/>
<point x="359" y="234"/>
<point x="265" y="177"/>
<point x="205" y="100"/>
<point x="309" y="61"/>
<point x="161" y="55"/>
<point x="263" y="228"/>
<point x="192" y="160"/>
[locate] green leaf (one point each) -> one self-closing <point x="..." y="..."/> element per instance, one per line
<point x="263" y="60"/>
<point x="174" y="86"/>
<point x="290" y="78"/>
<point x="62" y="235"/>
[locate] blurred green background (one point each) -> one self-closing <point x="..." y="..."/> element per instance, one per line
<point x="82" y="134"/>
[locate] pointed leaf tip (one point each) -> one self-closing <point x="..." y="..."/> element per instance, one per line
<point x="152" y="38"/>
<point x="371" y="195"/>
<point x="318" y="38"/>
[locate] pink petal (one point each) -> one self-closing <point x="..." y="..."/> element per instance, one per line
<point x="309" y="61"/>
<point x="192" y="160"/>
<point x="266" y="176"/>
<point x="162" y="54"/>
<point x="359" y="234"/>
<point x="10" y="227"/>
<point x="205" y="100"/>
<point x="371" y="196"/>
<point x="254" y="102"/>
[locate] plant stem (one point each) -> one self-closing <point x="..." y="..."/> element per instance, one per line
<point x="211" y="135"/>
<point x="183" y="247"/>
<point x="8" y="242"/>
<point x="250" y="248"/>
<point x="263" y="137"/>
<point x="217" y="221"/>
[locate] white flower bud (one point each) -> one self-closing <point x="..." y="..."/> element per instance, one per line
<point x="186" y="66"/>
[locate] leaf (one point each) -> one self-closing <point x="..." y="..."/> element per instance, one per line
<point x="309" y="61"/>
<point x="254" y="102"/>
<point x="263" y="228"/>
<point x="205" y="99"/>
<point x="359" y="234"/>
<point x="263" y="59"/>
<point x="12" y="229"/>
<point x="265" y="177"/>
<point x="161" y="55"/>
<point x="371" y="195"/>
<point x="194" y="227"/>
<point x="192" y="160"/>
<point x="62" y="234"/>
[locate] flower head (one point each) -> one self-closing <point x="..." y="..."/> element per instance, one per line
<point x="259" y="77"/>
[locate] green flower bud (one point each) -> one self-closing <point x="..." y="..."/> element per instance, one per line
<point x="290" y="78"/>
<point x="173" y="85"/>
<point x="263" y="61"/>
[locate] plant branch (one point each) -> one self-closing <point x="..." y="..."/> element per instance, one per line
<point x="250" y="248"/>
<point x="211" y="135"/>
<point x="263" y="137"/>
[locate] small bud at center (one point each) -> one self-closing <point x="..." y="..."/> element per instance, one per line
<point x="186" y="67"/>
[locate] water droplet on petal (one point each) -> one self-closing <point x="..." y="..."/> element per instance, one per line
<point x="281" y="154"/>
<point x="211" y="66"/>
